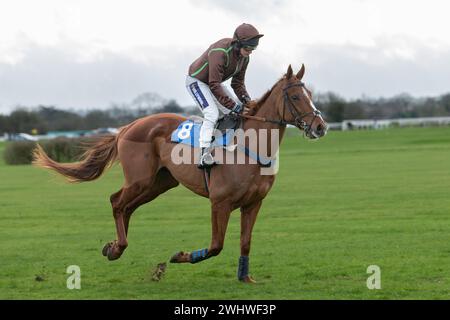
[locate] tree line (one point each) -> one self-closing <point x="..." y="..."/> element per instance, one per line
<point x="337" y="109"/>
<point x="43" y="119"/>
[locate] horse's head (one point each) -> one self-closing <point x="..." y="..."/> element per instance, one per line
<point x="298" y="108"/>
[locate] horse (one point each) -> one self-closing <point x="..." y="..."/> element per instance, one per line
<point x="144" y="149"/>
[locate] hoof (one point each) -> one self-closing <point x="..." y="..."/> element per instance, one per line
<point x="106" y="247"/>
<point x="111" y="256"/>
<point x="108" y="251"/>
<point x="176" y="257"/>
<point x="180" y="257"/>
<point x="247" y="279"/>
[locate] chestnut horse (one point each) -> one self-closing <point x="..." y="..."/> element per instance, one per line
<point x="144" y="149"/>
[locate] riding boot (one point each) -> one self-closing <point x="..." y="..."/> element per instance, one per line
<point x="206" y="159"/>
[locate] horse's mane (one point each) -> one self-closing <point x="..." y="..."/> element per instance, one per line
<point x="255" y="107"/>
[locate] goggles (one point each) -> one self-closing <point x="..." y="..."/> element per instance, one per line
<point x="250" y="44"/>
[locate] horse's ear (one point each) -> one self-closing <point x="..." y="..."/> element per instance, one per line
<point x="289" y="72"/>
<point x="301" y="72"/>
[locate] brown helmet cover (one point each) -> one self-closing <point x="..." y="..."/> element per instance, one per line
<point x="246" y="32"/>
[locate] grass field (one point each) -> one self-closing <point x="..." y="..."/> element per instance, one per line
<point x="351" y="200"/>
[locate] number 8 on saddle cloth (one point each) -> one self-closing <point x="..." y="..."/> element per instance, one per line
<point x="188" y="132"/>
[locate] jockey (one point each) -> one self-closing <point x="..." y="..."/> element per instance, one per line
<point x="224" y="59"/>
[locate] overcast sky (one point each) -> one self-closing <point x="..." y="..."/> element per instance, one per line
<point x="91" y="53"/>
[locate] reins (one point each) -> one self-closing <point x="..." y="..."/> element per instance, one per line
<point x="298" y="122"/>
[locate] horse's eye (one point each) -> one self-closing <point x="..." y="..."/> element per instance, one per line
<point x="295" y="97"/>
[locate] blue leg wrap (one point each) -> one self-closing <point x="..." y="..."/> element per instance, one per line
<point x="243" y="267"/>
<point x="199" y="255"/>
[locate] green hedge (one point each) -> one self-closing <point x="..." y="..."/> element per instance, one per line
<point x="18" y="152"/>
<point x="61" y="150"/>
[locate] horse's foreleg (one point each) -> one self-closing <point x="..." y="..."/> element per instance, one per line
<point x="248" y="218"/>
<point x="220" y="216"/>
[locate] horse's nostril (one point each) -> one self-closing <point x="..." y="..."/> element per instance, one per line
<point x="319" y="128"/>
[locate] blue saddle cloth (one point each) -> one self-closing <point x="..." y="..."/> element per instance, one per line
<point x="188" y="132"/>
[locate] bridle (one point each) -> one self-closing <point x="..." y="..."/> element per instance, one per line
<point x="299" y="121"/>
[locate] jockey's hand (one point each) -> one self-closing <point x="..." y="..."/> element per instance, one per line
<point x="250" y="107"/>
<point x="237" y="109"/>
<point x="245" y="100"/>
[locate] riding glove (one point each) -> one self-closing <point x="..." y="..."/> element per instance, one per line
<point x="245" y="99"/>
<point x="237" y="108"/>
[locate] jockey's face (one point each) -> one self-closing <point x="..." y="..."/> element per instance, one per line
<point x="245" y="52"/>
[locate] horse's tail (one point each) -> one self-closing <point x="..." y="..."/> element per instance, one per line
<point x="97" y="157"/>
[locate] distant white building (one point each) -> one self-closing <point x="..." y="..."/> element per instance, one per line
<point x="358" y="124"/>
<point x="19" y="137"/>
<point x="58" y="134"/>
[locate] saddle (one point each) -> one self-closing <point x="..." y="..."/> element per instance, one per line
<point x="188" y="133"/>
<point x="227" y="122"/>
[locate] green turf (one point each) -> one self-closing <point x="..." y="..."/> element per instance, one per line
<point x="338" y="205"/>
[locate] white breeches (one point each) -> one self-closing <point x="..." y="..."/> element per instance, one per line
<point x="209" y="106"/>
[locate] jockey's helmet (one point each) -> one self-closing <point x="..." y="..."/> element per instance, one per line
<point x="246" y="36"/>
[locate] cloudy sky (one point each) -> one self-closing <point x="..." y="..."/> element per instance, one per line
<point x="91" y="53"/>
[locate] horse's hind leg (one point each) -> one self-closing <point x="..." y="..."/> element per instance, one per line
<point x="164" y="181"/>
<point x="119" y="201"/>
<point x="127" y="200"/>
